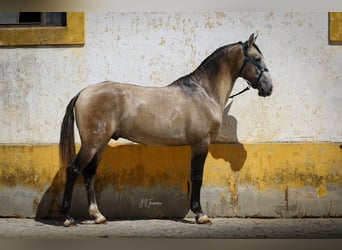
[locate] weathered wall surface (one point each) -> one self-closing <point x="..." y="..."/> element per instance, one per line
<point x="155" y="49"/>
<point x="280" y="168"/>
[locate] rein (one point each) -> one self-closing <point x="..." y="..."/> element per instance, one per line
<point x="257" y="64"/>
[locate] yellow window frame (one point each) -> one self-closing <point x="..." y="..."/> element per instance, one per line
<point x="335" y="27"/>
<point x="71" y="34"/>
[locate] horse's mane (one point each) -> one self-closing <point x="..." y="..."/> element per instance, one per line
<point x="213" y="56"/>
<point x="190" y="81"/>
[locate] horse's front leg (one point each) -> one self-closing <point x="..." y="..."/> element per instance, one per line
<point x="198" y="155"/>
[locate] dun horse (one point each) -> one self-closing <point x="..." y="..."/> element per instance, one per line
<point x="186" y="112"/>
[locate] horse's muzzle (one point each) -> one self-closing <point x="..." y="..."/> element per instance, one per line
<point x="264" y="91"/>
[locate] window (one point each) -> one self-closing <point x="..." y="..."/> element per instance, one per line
<point x="41" y="28"/>
<point x="21" y="19"/>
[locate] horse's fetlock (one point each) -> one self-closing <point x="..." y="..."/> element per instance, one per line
<point x="93" y="210"/>
<point x="203" y="219"/>
<point x="69" y="222"/>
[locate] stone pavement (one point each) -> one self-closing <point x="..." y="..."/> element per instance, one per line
<point x="222" y="228"/>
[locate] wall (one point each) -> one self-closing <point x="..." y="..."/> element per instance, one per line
<point x="286" y="157"/>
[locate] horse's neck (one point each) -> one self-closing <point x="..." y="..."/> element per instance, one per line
<point x="218" y="77"/>
<point x="220" y="89"/>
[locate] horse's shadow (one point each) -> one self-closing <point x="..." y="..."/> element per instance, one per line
<point x="116" y="201"/>
<point x="230" y="149"/>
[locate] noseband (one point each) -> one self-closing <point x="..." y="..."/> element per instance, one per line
<point x="253" y="61"/>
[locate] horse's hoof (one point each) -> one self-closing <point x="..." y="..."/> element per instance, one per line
<point x="203" y="219"/>
<point x="101" y="220"/>
<point x="69" y="223"/>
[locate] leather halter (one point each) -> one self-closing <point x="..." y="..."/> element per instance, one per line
<point x="253" y="61"/>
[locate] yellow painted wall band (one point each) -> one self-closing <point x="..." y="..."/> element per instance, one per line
<point x="276" y="166"/>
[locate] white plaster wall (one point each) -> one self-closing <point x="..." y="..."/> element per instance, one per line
<point x="153" y="49"/>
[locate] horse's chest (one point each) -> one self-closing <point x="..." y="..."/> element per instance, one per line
<point x="206" y="121"/>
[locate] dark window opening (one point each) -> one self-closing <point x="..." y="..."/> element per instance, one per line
<point x="19" y="19"/>
<point x="30" y="17"/>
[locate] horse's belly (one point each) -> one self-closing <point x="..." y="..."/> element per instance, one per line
<point x="154" y="133"/>
<point x="156" y="140"/>
<point x="154" y="128"/>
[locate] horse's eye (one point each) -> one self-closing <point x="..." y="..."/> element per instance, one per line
<point x="258" y="59"/>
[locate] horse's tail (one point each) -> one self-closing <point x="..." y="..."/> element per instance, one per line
<point x="67" y="140"/>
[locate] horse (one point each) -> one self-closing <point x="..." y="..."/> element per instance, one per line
<point x="186" y="112"/>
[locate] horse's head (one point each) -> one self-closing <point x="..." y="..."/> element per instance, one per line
<point x="253" y="68"/>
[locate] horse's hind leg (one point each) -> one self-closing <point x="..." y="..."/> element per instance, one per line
<point x="83" y="157"/>
<point x="89" y="178"/>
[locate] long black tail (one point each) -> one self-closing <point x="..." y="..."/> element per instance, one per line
<point x="67" y="140"/>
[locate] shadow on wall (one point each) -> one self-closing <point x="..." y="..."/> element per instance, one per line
<point x="141" y="182"/>
<point x="235" y="152"/>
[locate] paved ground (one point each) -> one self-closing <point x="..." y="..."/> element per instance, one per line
<point x="222" y="228"/>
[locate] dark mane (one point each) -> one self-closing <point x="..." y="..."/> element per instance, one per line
<point x="189" y="83"/>
<point x="213" y="57"/>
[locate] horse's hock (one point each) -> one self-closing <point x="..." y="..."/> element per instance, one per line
<point x="135" y="181"/>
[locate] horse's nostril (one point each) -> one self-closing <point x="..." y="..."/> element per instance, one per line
<point x="271" y="89"/>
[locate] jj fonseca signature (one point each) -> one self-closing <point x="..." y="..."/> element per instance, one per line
<point x="149" y="202"/>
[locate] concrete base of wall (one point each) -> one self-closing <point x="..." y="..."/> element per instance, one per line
<point x="135" y="181"/>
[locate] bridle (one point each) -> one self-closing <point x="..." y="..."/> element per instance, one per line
<point x="254" y="62"/>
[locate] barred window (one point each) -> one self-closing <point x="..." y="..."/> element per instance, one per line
<point x="41" y="28"/>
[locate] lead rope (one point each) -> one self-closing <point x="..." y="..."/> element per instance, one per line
<point x="242" y="91"/>
<point x="244" y="47"/>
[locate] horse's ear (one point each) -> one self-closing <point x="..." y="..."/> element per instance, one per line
<point x="251" y="40"/>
